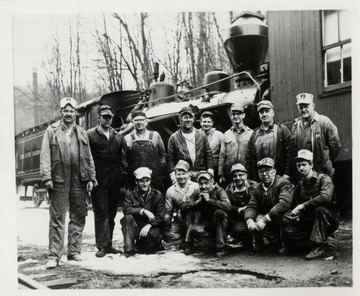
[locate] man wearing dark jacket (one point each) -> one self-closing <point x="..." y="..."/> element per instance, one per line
<point x="144" y="211"/>
<point x="268" y="202"/>
<point x="105" y="148"/>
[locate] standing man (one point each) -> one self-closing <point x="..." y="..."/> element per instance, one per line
<point x="214" y="137"/>
<point x="106" y="150"/>
<point x="144" y="148"/>
<point x="315" y="214"/>
<point x="235" y="144"/>
<point x="268" y="202"/>
<point x="272" y="140"/>
<point x="191" y="145"/>
<point x="68" y="173"/>
<point x="144" y="211"/>
<point x="316" y="133"/>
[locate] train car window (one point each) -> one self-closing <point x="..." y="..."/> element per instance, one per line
<point x="82" y="120"/>
<point x="336" y="49"/>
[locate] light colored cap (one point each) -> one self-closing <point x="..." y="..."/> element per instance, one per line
<point x="304" y="154"/>
<point x="304" y="98"/>
<point x="267" y="161"/>
<point x="182" y="165"/>
<point x="106" y="112"/>
<point x="142" y="172"/>
<point x="205" y="175"/>
<point x="265" y="104"/>
<point x="66" y="101"/>
<point x="237" y="107"/>
<point x="238" y="167"/>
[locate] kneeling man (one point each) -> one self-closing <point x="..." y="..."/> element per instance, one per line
<point x="144" y="210"/>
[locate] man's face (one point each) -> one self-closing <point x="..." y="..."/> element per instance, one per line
<point x="186" y="121"/>
<point x="105" y="120"/>
<point x="143" y="184"/>
<point x="68" y="114"/>
<point x="266" y="174"/>
<point x="206" y="123"/>
<point x="306" y="110"/>
<point x="139" y="123"/>
<point x="303" y="167"/>
<point x="266" y="115"/>
<point x="239" y="178"/>
<point x="181" y="176"/>
<point x="237" y="117"/>
<point x="205" y="185"/>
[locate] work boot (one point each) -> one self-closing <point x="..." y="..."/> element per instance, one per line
<point x="284" y="250"/>
<point x="111" y="250"/>
<point x="101" y="253"/>
<point x="52" y="263"/>
<point x="222" y="252"/>
<point x="74" y="257"/>
<point x="315" y="253"/>
<point x="128" y="254"/>
<point x="165" y="245"/>
<point x="189" y="249"/>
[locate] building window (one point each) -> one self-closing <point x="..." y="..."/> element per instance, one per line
<point x="336" y="48"/>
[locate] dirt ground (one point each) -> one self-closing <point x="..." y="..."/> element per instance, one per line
<point x="173" y="269"/>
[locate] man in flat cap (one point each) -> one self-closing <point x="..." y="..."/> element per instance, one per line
<point x="205" y="215"/>
<point x="68" y="173"/>
<point x="191" y="145"/>
<point x="176" y="195"/>
<point x="269" y="200"/>
<point x="314" y="213"/>
<point x="238" y="192"/>
<point x="144" y="148"/>
<point x="316" y="133"/>
<point x="234" y="146"/>
<point x="270" y="139"/>
<point x="214" y="137"/>
<point x="144" y="211"/>
<point x="105" y="144"/>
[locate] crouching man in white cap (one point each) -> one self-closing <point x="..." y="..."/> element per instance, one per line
<point x="315" y="215"/>
<point x="144" y="210"/>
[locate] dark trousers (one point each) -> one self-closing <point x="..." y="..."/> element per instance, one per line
<point x="131" y="229"/>
<point x="239" y="230"/>
<point x="175" y="232"/>
<point x="105" y="200"/>
<point x="271" y="231"/>
<point x="60" y="202"/>
<point x="208" y="230"/>
<point x="313" y="225"/>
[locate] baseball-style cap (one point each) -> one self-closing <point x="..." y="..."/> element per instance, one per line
<point x="267" y="162"/>
<point x="67" y="101"/>
<point x="237" y="107"/>
<point x="187" y="109"/>
<point x="238" y="167"/>
<point x="182" y="165"/>
<point x="105" y="110"/>
<point x="138" y="114"/>
<point x="304" y="98"/>
<point x="205" y="175"/>
<point x="207" y="114"/>
<point x="304" y="154"/>
<point x="142" y="172"/>
<point x="265" y="104"/>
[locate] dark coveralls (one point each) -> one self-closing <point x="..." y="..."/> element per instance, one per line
<point x="207" y="221"/>
<point x="320" y="217"/>
<point x="105" y="197"/>
<point x="133" y="221"/>
<point x="143" y="153"/>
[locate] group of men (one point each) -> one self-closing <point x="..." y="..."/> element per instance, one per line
<point x="239" y="184"/>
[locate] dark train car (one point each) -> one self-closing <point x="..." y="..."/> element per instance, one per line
<point x="310" y="51"/>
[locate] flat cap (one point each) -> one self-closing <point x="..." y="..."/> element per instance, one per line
<point x="142" y="172"/>
<point x="238" y="167"/>
<point x="304" y="154"/>
<point x="267" y="161"/>
<point x="265" y="104"/>
<point x="182" y="165"/>
<point x="207" y="114"/>
<point x="304" y="98"/>
<point x="138" y="113"/>
<point x="237" y="107"/>
<point x="67" y="101"/>
<point x="186" y="109"/>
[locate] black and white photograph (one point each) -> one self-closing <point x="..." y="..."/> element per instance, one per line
<point x="198" y="147"/>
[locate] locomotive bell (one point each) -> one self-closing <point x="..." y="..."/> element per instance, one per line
<point x="247" y="42"/>
<point x="216" y="75"/>
<point x="160" y="90"/>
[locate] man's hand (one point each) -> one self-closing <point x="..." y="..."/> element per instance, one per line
<point x="211" y="172"/>
<point x="222" y="180"/>
<point x="296" y="211"/>
<point x="205" y="196"/>
<point x="89" y="186"/>
<point x="145" y="230"/>
<point x="150" y="215"/>
<point x="251" y="225"/>
<point x="49" y="185"/>
<point x="287" y="177"/>
<point x="241" y="209"/>
<point x="261" y="224"/>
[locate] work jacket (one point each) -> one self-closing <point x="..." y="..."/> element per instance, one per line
<point x="55" y="157"/>
<point x="239" y="199"/>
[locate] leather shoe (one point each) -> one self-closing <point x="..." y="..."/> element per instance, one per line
<point x="111" y="250"/>
<point x="222" y="252"/>
<point x="100" y="253"/>
<point x="284" y="250"/>
<point x="128" y="254"/>
<point x="74" y="257"/>
<point x="315" y="253"/>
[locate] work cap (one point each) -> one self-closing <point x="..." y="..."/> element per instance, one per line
<point x="205" y="175"/>
<point x="304" y="154"/>
<point x="265" y="104"/>
<point x="237" y="107"/>
<point x="187" y="109"/>
<point x="238" y="167"/>
<point x="142" y="172"/>
<point x="105" y="110"/>
<point x="304" y="98"/>
<point x="138" y="114"/>
<point x="67" y="101"/>
<point x="267" y="162"/>
<point x="207" y="114"/>
<point x="182" y="165"/>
